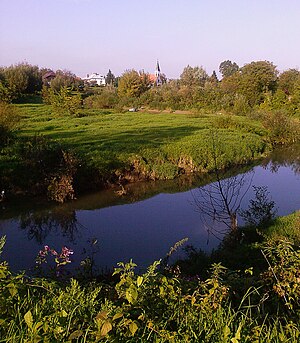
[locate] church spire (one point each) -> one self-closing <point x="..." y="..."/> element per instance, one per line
<point x="158" y="75"/>
<point x="157" y="67"/>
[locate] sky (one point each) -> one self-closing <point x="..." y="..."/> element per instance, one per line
<point x="86" y="36"/>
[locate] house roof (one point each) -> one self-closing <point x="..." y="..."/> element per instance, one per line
<point x="95" y="76"/>
<point x="49" y="74"/>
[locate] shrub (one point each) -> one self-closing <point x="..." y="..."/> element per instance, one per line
<point x="107" y="99"/>
<point x="282" y="128"/>
<point x="62" y="101"/>
<point x="283" y="275"/>
<point x="47" y="168"/>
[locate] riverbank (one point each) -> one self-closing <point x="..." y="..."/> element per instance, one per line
<point x="98" y="148"/>
<point x="230" y="305"/>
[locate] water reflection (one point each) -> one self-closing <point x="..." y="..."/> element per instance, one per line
<point x="283" y="157"/>
<point x="150" y="219"/>
<point x="219" y="202"/>
<point x="38" y="225"/>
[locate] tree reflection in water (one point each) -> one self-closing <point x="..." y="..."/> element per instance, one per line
<point x="219" y="202"/>
<point x="39" y="224"/>
<point x="283" y="157"/>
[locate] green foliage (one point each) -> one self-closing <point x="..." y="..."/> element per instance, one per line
<point x="282" y="277"/>
<point x="154" y="307"/>
<point x="62" y="101"/>
<point x="6" y="93"/>
<point x="256" y="78"/>
<point x="285" y="227"/>
<point x="23" y="78"/>
<point x="193" y="76"/>
<point x="288" y="81"/>
<point x="64" y="79"/>
<point x="9" y="120"/>
<point x="106" y="99"/>
<point x="228" y="68"/>
<point x="133" y="84"/>
<point x="41" y="167"/>
<point x="281" y="127"/>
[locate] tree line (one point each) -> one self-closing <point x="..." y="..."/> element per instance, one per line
<point x="256" y="85"/>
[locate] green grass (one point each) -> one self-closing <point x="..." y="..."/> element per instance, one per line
<point x="111" y="140"/>
<point x="288" y="226"/>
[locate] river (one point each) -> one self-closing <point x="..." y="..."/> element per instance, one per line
<point x="143" y="224"/>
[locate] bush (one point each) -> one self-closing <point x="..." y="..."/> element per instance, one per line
<point x="46" y="168"/>
<point x="62" y="101"/>
<point x="107" y="99"/>
<point x="282" y="128"/>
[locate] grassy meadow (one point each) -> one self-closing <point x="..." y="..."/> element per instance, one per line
<point x="251" y="296"/>
<point x="158" y="144"/>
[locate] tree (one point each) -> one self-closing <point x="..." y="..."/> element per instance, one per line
<point x="257" y="79"/>
<point x="64" y="78"/>
<point x="23" y="78"/>
<point x="62" y="101"/>
<point x="193" y="76"/>
<point x="228" y="68"/>
<point x="133" y="84"/>
<point x="214" y="77"/>
<point x="110" y="78"/>
<point x="288" y="81"/>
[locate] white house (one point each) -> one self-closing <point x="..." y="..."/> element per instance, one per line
<point x="95" y="79"/>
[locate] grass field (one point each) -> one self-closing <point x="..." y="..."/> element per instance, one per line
<point x="160" y="144"/>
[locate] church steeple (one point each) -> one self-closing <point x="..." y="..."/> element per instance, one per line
<point x="157" y="67"/>
<point x="157" y="74"/>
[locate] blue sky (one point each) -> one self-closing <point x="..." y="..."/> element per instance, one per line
<point x="87" y="36"/>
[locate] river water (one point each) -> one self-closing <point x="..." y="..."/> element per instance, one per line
<point x="147" y="221"/>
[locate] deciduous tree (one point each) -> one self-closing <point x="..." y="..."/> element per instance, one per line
<point x="228" y="68"/>
<point x="23" y="78"/>
<point x="193" y="76"/>
<point x="133" y="83"/>
<point x="289" y="80"/>
<point x="256" y="79"/>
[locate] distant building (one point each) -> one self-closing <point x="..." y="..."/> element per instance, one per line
<point x="95" y="79"/>
<point x="156" y="78"/>
<point x="48" y="77"/>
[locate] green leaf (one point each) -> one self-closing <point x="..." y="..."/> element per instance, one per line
<point x="237" y="336"/>
<point x="132" y="328"/>
<point x="131" y="294"/>
<point x="12" y="289"/>
<point x="106" y="327"/>
<point x="117" y="316"/>
<point x="28" y="319"/>
<point x="139" y="280"/>
<point x="63" y="313"/>
<point x="226" y="332"/>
